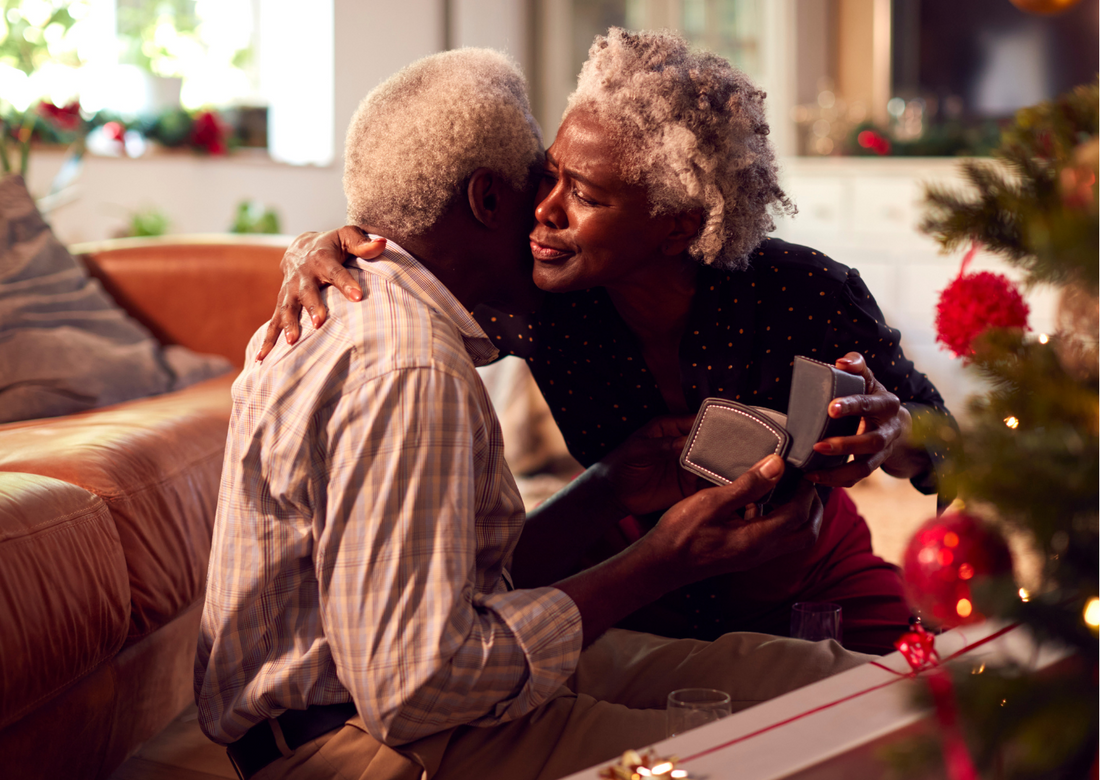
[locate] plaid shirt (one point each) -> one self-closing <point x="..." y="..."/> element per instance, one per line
<point x="365" y="520"/>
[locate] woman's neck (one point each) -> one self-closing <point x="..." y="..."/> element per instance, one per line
<point x="655" y="302"/>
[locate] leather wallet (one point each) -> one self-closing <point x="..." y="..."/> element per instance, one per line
<point x="728" y="437"/>
<point x="813" y="386"/>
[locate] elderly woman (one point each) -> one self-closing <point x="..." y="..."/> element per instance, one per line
<point x="651" y="231"/>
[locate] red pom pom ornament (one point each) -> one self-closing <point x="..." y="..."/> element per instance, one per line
<point x="943" y="558"/>
<point x="973" y="303"/>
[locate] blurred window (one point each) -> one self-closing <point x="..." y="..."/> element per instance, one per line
<point x="130" y="56"/>
<point x="733" y="29"/>
<point x="730" y="28"/>
<point x="138" y="58"/>
<point x="208" y="44"/>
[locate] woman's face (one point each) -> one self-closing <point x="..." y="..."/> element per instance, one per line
<point x="592" y="228"/>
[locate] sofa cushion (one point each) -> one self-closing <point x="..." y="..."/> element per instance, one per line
<point x="65" y="346"/>
<point x="209" y="295"/>
<point x="156" y="463"/>
<point x="64" y="592"/>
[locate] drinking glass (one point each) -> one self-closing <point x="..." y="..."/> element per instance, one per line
<point x="689" y="708"/>
<point x="815" y="620"/>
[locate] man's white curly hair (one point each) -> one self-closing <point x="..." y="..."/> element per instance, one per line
<point x="691" y="129"/>
<point x="416" y="138"/>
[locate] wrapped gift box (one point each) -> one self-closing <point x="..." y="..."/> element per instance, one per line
<point x="836" y="727"/>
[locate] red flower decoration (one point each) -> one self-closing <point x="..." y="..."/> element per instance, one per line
<point x="114" y="131"/>
<point x="876" y="142"/>
<point x="208" y="133"/>
<point x="972" y="303"/>
<point x="63" y="117"/>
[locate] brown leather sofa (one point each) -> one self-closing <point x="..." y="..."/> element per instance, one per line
<point x="106" y="517"/>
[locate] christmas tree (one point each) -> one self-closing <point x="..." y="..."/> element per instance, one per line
<point x="1026" y="459"/>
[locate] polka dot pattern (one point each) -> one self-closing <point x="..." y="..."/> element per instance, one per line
<point x="736" y="345"/>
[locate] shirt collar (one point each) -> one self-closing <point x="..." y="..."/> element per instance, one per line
<point x="405" y="270"/>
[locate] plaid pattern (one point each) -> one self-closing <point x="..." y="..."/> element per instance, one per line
<point x="365" y="520"/>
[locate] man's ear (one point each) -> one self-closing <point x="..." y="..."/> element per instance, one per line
<point x="483" y="192"/>
<point x="685" y="227"/>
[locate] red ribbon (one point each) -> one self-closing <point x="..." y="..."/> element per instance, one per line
<point x="974" y="247"/>
<point x="900" y="676"/>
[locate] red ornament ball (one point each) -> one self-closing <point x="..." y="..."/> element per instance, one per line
<point x="943" y="558"/>
<point x="974" y="302"/>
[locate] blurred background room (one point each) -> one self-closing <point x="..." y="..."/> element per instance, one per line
<point x="180" y="118"/>
<point x="143" y="117"/>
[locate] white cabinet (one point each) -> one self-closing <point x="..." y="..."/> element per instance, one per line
<point x="866" y="213"/>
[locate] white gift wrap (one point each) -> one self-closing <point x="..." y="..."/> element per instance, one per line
<point x="833" y="728"/>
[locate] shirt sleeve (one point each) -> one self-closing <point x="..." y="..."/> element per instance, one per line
<point x="861" y="325"/>
<point x="423" y="632"/>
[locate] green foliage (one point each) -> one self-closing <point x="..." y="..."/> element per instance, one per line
<point x="910" y="759"/>
<point x="151" y="222"/>
<point x="1022" y="728"/>
<point x="1017" y="727"/>
<point x="170" y="128"/>
<point x="16" y="132"/>
<point x="1017" y="206"/>
<point x="138" y="24"/>
<point x="944" y="139"/>
<point x="254" y="217"/>
<point x="1031" y="451"/>
<point x="27" y="30"/>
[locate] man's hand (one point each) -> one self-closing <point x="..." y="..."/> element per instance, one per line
<point x="311" y="261"/>
<point x="882" y="438"/>
<point x="644" y="472"/>
<point x="706" y="535"/>
<point x="699" y="537"/>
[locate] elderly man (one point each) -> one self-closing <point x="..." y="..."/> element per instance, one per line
<point x="360" y="618"/>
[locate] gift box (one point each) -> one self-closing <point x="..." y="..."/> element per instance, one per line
<point x="837" y="727"/>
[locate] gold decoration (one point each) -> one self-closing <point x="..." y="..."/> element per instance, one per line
<point x="636" y="766"/>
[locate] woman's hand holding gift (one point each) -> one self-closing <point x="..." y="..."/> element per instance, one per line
<point x="882" y="438"/>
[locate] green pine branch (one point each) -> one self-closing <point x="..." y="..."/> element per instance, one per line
<point x="1016" y="206"/>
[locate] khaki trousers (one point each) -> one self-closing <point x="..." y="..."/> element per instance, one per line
<point x="615" y="700"/>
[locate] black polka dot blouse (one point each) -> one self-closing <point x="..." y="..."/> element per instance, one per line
<point x="743" y="332"/>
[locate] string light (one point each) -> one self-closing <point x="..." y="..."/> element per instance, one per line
<point x="1024" y="595"/>
<point x="1092" y="612"/>
<point x="1043" y="338"/>
<point x="964" y="608"/>
<point x="1012" y="422"/>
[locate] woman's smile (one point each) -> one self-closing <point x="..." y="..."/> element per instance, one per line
<point x="545" y="253"/>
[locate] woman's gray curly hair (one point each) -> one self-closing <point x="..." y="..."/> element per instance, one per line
<point x="691" y="129"/>
<point x="416" y="138"/>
